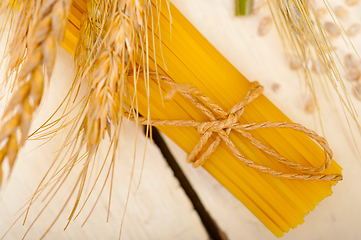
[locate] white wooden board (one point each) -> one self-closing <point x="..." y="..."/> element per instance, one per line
<point x="160" y="209"/>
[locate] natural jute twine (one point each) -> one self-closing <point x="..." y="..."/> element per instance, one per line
<point x="221" y="123"/>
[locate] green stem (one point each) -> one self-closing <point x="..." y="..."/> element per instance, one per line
<point x="244" y="7"/>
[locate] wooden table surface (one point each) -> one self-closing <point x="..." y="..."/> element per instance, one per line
<point x="160" y="209"/>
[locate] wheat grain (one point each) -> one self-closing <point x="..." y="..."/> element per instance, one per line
<point x="354" y="30"/>
<point x="357" y="91"/>
<point x="354" y="74"/>
<point x="310" y="106"/>
<point x="332" y="29"/>
<point x="350" y="62"/>
<point x="341" y="12"/>
<point x="295" y="63"/>
<point x="265" y="26"/>
<point x="321" y="12"/>
<point x="352" y="2"/>
<point x="276" y="87"/>
<point x="316" y="67"/>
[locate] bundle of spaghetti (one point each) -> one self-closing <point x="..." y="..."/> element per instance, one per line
<point x="183" y="55"/>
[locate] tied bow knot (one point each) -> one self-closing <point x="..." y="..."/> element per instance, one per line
<point x="218" y="125"/>
<point x="221" y="124"/>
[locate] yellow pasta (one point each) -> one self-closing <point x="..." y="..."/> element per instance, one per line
<point x="187" y="57"/>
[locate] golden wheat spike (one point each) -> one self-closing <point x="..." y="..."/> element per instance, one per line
<point x="40" y="37"/>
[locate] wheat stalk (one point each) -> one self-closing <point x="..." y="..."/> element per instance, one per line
<point x="47" y="28"/>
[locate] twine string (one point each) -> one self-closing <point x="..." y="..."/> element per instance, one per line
<point x="221" y="124"/>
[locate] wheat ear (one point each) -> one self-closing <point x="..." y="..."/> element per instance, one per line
<point x="112" y="62"/>
<point x="48" y="28"/>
